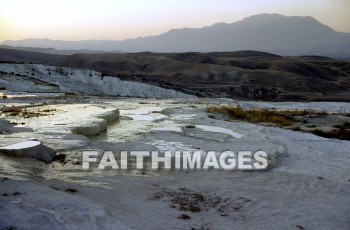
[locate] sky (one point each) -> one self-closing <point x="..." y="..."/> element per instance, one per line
<point x="122" y="19"/>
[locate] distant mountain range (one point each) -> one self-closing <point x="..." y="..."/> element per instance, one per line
<point x="265" y="32"/>
<point x="55" y="51"/>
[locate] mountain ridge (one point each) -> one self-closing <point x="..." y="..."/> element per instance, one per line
<point x="273" y="33"/>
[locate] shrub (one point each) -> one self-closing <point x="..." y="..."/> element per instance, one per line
<point x="254" y="116"/>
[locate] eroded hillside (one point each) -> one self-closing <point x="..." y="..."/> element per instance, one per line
<point x="242" y="74"/>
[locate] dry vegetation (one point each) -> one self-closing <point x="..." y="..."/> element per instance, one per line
<point x="190" y="201"/>
<point x="2" y="95"/>
<point x="26" y="112"/>
<point x="340" y="132"/>
<point x="290" y="119"/>
<point x="254" y="116"/>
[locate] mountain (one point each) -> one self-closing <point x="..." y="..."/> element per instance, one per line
<point x="55" y="51"/>
<point x="270" y="33"/>
<point x="63" y="47"/>
<point x="265" y="32"/>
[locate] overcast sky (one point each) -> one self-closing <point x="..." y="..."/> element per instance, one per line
<point x="121" y="19"/>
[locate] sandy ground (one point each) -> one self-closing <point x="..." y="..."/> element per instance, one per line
<point x="306" y="187"/>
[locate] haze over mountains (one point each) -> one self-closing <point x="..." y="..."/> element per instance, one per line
<point x="266" y="32"/>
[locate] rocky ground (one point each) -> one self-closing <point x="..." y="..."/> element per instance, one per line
<point x="305" y="187"/>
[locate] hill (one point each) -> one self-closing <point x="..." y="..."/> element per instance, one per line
<point x="18" y="56"/>
<point x="242" y="74"/>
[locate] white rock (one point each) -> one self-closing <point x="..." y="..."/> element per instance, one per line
<point x="87" y="82"/>
<point x="219" y="130"/>
<point x="89" y="128"/>
<point x="109" y="116"/>
<point x="97" y="124"/>
<point x="33" y="149"/>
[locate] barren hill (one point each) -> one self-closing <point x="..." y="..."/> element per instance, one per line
<point x="17" y="56"/>
<point x="242" y="74"/>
